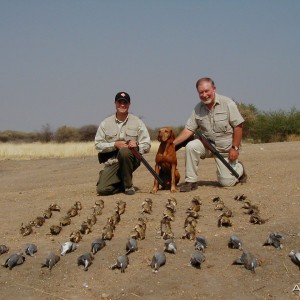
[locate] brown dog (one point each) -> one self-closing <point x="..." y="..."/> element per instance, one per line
<point x="166" y="161"/>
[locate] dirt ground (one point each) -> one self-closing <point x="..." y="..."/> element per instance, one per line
<point x="28" y="187"/>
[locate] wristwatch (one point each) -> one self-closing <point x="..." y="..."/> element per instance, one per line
<point x="236" y="148"/>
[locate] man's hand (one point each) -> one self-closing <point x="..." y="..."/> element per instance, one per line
<point x="233" y="154"/>
<point x="125" y="144"/>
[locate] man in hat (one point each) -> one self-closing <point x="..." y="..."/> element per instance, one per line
<point x="114" y="138"/>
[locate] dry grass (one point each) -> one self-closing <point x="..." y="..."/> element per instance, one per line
<point x="27" y="151"/>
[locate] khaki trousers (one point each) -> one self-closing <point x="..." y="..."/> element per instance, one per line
<point x="194" y="151"/>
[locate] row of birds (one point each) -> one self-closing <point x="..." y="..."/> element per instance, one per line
<point x="197" y="257"/>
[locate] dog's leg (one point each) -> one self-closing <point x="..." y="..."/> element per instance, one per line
<point x="173" y="179"/>
<point x="155" y="185"/>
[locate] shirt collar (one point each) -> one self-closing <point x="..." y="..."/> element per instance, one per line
<point x="119" y="121"/>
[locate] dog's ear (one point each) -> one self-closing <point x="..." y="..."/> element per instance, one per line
<point x="159" y="136"/>
<point x="172" y="136"/>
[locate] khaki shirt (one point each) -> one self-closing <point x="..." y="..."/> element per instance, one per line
<point x="111" y="130"/>
<point x="217" y="124"/>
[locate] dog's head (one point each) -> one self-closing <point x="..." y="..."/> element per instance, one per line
<point x="166" y="134"/>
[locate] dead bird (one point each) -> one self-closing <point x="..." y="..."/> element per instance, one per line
<point x="192" y="213"/>
<point x="189" y="232"/>
<point x="295" y="257"/>
<point x="115" y="218"/>
<point x="55" y="229"/>
<point x="47" y="214"/>
<point x="257" y="219"/>
<point x="141" y="231"/>
<point x="190" y="221"/>
<point x="220" y="205"/>
<point x="3" y="249"/>
<point x="100" y="203"/>
<point x="249" y="261"/>
<point x="122" y="263"/>
<point x="171" y="207"/>
<point x="168" y="214"/>
<point x="240" y="197"/>
<point x="121" y="206"/>
<point x="75" y="236"/>
<point x="54" y="207"/>
<point x="274" y="239"/>
<point x="170" y="246"/>
<point x="196" y="203"/>
<point x="92" y="219"/>
<point x="142" y="223"/>
<point x="78" y="205"/>
<point x="172" y="200"/>
<point x="72" y="212"/>
<point x="200" y="243"/>
<point x="131" y="246"/>
<point x="85" y="260"/>
<point x="97" y="245"/>
<point x="197" y="258"/>
<point x="14" y="260"/>
<point x="227" y="212"/>
<point x="38" y="222"/>
<point x="85" y="228"/>
<point x="235" y="242"/>
<point x="251" y="208"/>
<point x="224" y="221"/>
<point x="97" y="210"/>
<point x="64" y="221"/>
<point x="158" y="260"/>
<point x="107" y="232"/>
<point x="166" y="228"/>
<point x="51" y="260"/>
<point x="26" y="229"/>
<point x="67" y="247"/>
<point x="146" y="207"/>
<point x="216" y="199"/>
<point x="30" y="249"/>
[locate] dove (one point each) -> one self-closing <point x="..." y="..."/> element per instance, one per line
<point x="67" y="247"/>
<point x="295" y="257"/>
<point x="47" y="214"/>
<point x="14" y="260"/>
<point x="197" y="258"/>
<point x="274" y="240"/>
<point x="26" y="229"/>
<point x="97" y="245"/>
<point x="3" y="249"/>
<point x="51" y="260"/>
<point x="54" y="207"/>
<point x="64" y="221"/>
<point x="235" y="242"/>
<point x="78" y="205"/>
<point x="121" y="206"/>
<point x="73" y="211"/>
<point x="55" y="229"/>
<point x="170" y="246"/>
<point x="200" y="243"/>
<point x="122" y="263"/>
<point x="249" y="261"/>
<point x="30" y="249"/>
<point x="85" y="260"/>
<point x="75" y="236"/>
<point x="99" y="203"/>
<point x="131" y="245"/>
<point x="158" y="260"/>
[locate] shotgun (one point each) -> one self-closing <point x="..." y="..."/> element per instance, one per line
<point x="208" y="145"/>
<point x="140" y="157"/>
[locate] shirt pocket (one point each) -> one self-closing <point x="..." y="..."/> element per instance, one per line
<point x="111" y="135"/>
<point x="131" y="134"/>
<point x="203" y="123"/>
<point x="220" y="122"/>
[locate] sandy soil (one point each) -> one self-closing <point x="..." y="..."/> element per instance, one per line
<point x="28" y="187"/>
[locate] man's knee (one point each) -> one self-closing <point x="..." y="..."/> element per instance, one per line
<point x="124" y="153"/>
<point x="227" y="182"/>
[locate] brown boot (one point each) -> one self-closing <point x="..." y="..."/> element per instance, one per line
<point x="189" y="186"/>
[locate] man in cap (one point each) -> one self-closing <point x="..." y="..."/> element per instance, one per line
<point x="114" y="138"/>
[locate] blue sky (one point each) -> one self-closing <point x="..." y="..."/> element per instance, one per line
<point x="63" y="61"/>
